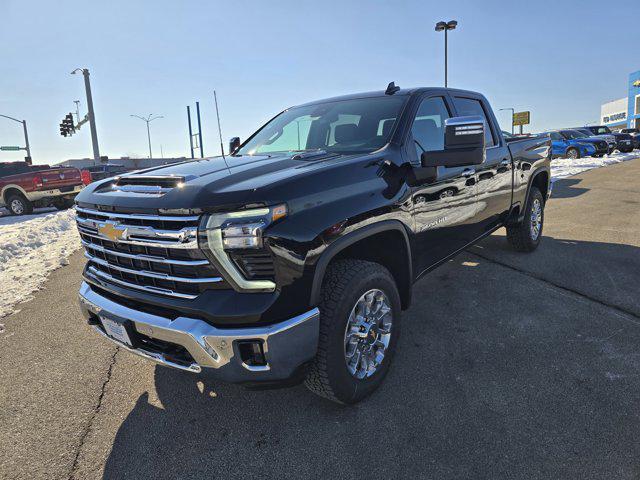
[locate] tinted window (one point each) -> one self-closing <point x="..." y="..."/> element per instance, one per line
<point x="556" y="136"/>
<point x="471" y="107"/>
<point x="16" y="168"/>
<point x="428" y="126"/>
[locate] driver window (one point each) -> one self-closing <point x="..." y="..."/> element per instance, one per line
<point x="428" y="126"/>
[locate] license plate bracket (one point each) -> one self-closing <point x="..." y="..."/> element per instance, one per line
<point x="116" y="330"/>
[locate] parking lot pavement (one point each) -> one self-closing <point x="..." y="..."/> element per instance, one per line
<point x="508" y="367"/>
<point x="591" y="238"/>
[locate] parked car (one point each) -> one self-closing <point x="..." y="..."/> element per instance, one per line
<point x="292" y="258"/>
<point x="624" y="142"/>
<point x="600" y="131"/>
<point x="24" y="186"/>
<point x="100" y="172"/>
<point x="635" y="134"/>
<point x="573" y="144"/>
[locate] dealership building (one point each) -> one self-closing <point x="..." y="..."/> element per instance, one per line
<point x="624" y="112"/>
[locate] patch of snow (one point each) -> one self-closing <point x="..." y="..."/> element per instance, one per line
<point x="565" y="167"/>
<point x="31" y="247"/>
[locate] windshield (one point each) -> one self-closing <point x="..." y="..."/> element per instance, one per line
<point x="572" y="134"/>
<point x="600" y="130"/>
<point x="347" y="126"/>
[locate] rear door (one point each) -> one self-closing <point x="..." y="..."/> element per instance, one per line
<point x="443" y="208"/>
<point x="494" y="177"/>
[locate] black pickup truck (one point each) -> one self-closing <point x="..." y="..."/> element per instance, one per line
<point x="292" y="257"/>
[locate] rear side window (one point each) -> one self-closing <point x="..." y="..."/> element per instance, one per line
<point x="472" y="107"/>
<point x="428" y="125"/>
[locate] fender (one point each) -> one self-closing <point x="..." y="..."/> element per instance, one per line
<point x="343" y="242"/>
<point x="533" y="176"/>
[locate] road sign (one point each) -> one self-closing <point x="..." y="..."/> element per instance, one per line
<point x="522" y="118"/>
<point x="11" y="149"/>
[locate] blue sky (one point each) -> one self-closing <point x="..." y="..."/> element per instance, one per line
<point x="559" y="59"/>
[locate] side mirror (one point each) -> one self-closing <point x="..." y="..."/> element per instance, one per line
<point x="463" y="144"/>
<point x="234" y="143"/>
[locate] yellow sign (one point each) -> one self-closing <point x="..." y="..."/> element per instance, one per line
<point x="636" y="83"/>
<point x="521" y="118"/>
<point x="112" y="231"/>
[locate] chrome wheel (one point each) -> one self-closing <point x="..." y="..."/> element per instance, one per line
<point x="446" y="193"/>
<point x="536" y="219"/>
<point x="17" y="207"/>
<point x="572" y="154"/>
<point x="367" y="334"/>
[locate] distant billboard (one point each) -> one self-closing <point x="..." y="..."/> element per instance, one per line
<point x="522" y="118"/>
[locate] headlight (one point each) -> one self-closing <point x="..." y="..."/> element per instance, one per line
<point x="240" y="230"/>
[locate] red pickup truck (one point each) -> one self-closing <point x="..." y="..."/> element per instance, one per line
<point x="24" y="186"/>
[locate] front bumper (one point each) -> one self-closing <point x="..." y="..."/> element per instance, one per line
<point x="287" y="344"/>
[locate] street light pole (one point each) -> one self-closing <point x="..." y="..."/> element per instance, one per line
<point x="446" y="26"/>
<point x="92" y="117"/>
<point x="148" y="119"/>
<point x="26" y="136"/>
<point x="513" y="112"/>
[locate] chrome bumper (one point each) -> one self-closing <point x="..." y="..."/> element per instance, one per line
<point x="287" y="344"/>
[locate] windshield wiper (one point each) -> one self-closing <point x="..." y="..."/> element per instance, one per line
<point x="312" y="152"/>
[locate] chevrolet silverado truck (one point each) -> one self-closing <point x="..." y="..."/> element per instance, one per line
<point x="24" y="186"/>
<point x="291" y="258"/>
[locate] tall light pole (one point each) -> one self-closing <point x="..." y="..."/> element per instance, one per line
<point x="513" y="112"/>
<point x="92" y="117"/>
<point x="148" y="119"/>
<point x="446" y="26"/>
<point x="26" y="136"/>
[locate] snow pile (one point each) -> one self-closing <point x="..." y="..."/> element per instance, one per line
<point x="565" y="167"/>
<point x="31" y="247"/>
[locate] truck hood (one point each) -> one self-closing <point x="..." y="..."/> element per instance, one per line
<point x="209" y="183"/>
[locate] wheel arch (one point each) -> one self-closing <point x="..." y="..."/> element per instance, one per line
<point x="540" y="178"/>
<point x="363" y="243"/>
<point x="12" y="188"/>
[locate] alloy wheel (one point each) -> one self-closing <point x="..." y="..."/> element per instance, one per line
<point x="17" y="207"/>
<point x="536" y="219"/>
<point x="367" y="334"/>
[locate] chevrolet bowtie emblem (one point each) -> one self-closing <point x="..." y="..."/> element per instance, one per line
<point x="113" y="231"/>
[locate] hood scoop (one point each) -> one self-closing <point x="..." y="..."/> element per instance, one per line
<point x="148" y="184"/>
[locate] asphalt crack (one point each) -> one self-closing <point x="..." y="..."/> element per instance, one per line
<point x="96" y="410"/>
<point x="620" y="310"/>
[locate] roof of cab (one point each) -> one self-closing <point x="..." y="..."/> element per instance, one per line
<point x="381" y="93"/>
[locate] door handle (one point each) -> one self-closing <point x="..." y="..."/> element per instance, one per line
<point x="469" y="172"/>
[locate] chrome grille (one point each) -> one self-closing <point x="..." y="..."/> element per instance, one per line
<point x="156" y="254"/>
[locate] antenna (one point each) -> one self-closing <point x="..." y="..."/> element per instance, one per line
<point x="215" y="98"/>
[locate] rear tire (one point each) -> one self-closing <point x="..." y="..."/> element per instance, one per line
<point x="525" y="236"/>
<point x="17" y="204"/>
<point x="346" y="283"/>
<point x="63" y="203"/>
<point x="572" y="153"/>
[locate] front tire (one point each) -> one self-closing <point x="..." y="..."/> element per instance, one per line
<point x="525" y="236"/>
<point x="359" y="329"/>
<point x="18" y="205"/>
<point x="573" y="153"/>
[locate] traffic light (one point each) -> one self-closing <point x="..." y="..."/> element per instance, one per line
<point x="66" y="127"/>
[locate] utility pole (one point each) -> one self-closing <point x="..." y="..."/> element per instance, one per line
<point x="26" y="136"/>
<point x="190" y="130"/>
<point x="446" y="26"/>
<point x="199" y="130"/>
<point x="148" y="119"/>
<point x="92" y="117"/>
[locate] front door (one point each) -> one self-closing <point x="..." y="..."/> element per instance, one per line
<point x="444" y="207"/>
<point x="494" y="176"/>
